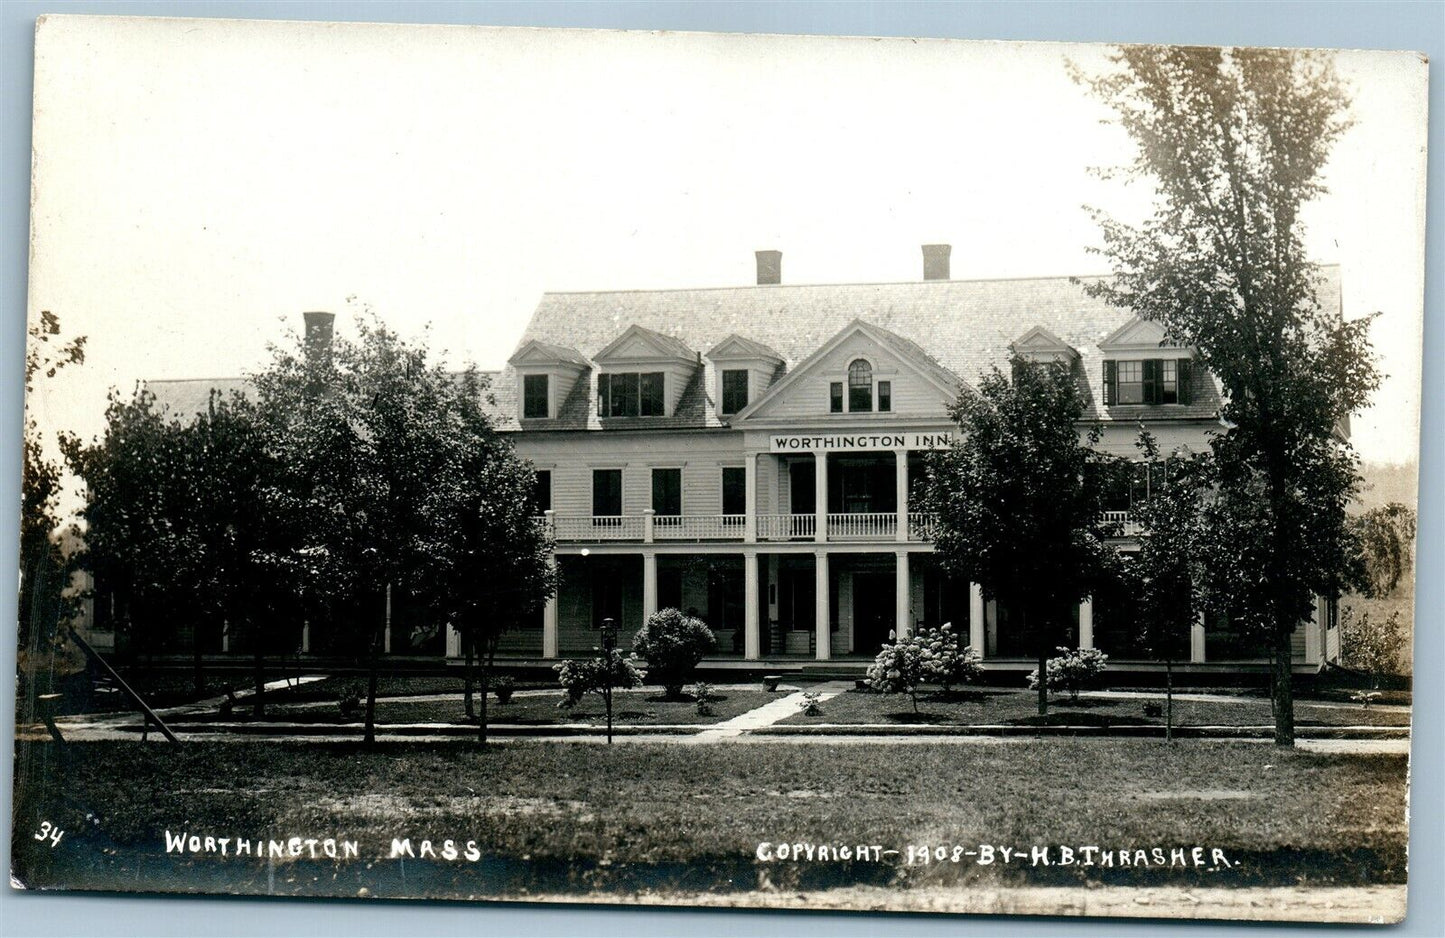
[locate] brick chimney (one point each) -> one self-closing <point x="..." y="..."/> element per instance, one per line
<point x="770" y="267"/>
<point x="935" y="261"/>
<point x="318" y="334"/>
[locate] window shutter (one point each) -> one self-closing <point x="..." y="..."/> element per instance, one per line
<point x="1185" y="382"/>
<point x="603" y="387"/>
<point x="1151" y="371"/>
<point x="1110" y="383"/>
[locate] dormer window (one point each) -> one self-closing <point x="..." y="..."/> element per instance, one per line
<point x="535" y="396"/>
<point x="734" y="390"/>
<point x="1146" y="381"/>
<point x="631" y="394"/>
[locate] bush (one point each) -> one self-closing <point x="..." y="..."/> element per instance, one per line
<point x="702" y="693"/>
<point x="673" y="644"/>
<point x="1375" y="645"/>
<point x="1074" y="670"/>
<point x="811" y="704"/>
<point x="931" y="656"/>
<point x="582" y="677"/>
<point x="348" y="700"/>
<point x="504" y="687"/>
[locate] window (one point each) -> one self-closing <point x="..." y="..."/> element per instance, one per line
<point x="542" y="491"/>
<point x="734" y="490"/>
<point x="606" y="492"/>
<point x="1148" y="381"/>
<point x="734" y="390"/>
<point x="885" y="396"/>
<point x="650" y="386"/>
<point x="1131" y="383"/>
<point x="629" y="394"/>
<point x="534" y="396"/>
<point x="860" y="386"/>
<point x="667" y="492"/>
<point x="835" y="397"/>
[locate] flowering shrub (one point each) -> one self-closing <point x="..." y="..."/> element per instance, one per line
<point x="1074" y="670"/>
<point x="931" y="656"/>
<point x="811" y="704"/>
<point x="673" y="644"/>
<point x="504" y="687"/>
<point x="581" y="677"/>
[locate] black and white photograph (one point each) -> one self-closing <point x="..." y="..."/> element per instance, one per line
<point x="720" y="470"/>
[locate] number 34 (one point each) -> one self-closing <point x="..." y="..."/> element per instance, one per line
<point x="49" y="832"/>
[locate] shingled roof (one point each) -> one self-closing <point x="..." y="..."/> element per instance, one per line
<point x="964" y="326"/>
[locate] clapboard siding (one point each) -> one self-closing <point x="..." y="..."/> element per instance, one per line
<point x="807" y="397"/>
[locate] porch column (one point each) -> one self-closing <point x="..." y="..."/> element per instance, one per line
<point x="903" y="598"/>
<point x="752" y="634"/>
<point x="649" y="585"/>
<point x="1196" y="639"/>
<point x="820" y="497"/>
<point x="975" y="618"/>
<point x="305" y="636"/>
<point x="549" y="627"/>
<point x="1086" y="623"/>
<point x="648" y="517"/>
<point x="750" y="499"/>
<point x="822" y="614"/>
<point x="454" y="642"/>
<point x="901" y="482"/>
<point x="1313" y="634"/>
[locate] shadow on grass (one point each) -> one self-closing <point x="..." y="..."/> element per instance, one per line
<point x="1079" y="719"/>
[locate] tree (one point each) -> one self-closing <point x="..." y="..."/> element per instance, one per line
<point x="1019" y="498"/>
<point x="673" y="645"/>
<point x="44" y="569"/>
<point x="1234" y="140"/>
<point x="1165" y="571"/>
<point x="1386" y="538"/>
<point x="494" y="566"/>
<point x="41" y="565"/>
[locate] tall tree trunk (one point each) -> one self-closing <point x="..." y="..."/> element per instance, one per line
<point x="257" y="672"/>
<point x="469" y="647"/>
<point x="198" y="675"/>
<point x="1041" y="636"/>
<point x="491" y="649"/>
<point x="1283" y="692"/>
<point x="373" y="666"/>
<point x="1169" y="699"/>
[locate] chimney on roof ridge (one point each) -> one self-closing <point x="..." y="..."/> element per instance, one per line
<point x="770" y="267"/>
<point x="935" y="261"/>
<point x="318" y="334"/>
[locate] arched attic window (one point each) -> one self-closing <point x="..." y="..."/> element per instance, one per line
<point x="860" y="385"/>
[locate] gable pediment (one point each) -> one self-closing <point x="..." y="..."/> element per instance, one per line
<point x="534" y="354"/>
<point x="737" y="348"/>
<point x="917" y="383"/>
<point x="637" y="344"/>
<point x="1040" y="342"/>
<point x="1137" y="333"/>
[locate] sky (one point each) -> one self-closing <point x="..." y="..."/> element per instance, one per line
<point x="200" y="183"/>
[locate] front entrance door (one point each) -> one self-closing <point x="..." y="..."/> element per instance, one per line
<point x="873" y="611"/>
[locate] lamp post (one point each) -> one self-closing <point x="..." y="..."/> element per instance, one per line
<point x="609" y="646"/>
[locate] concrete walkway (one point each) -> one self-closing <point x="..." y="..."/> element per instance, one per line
<point x="769" y="713"/>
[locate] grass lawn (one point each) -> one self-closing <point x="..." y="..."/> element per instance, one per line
<point x="987" y="706"/>
<point x="552" y="817"/>
<point x="640" y="707"/>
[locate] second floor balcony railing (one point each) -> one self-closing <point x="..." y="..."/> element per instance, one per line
<point x="1123" y="522"/>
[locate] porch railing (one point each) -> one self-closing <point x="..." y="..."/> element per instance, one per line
<point x="598" y="527"/>
<point x="862" y="525"/>
<point x="787" y="527"/>
<point x="921" y="526"/>
<point x="699" y="527"/>
<point x="1124" y="520"/>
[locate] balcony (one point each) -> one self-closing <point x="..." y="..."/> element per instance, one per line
<point x="842" y="527"/>
<point x="1125" y="522"/>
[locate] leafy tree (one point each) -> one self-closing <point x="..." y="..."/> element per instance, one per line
<point x="673" y="645"/>
<point x="41" y="564"/>
<point x="1019" y="498"/>
<point x="493" y="563"/>
<point x="1386" y="537"/>
<point x="1165" y="570"/>
<point x="1234" y="141"/>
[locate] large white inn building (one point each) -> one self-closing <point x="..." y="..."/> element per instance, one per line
<point x="751" y="454"/>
